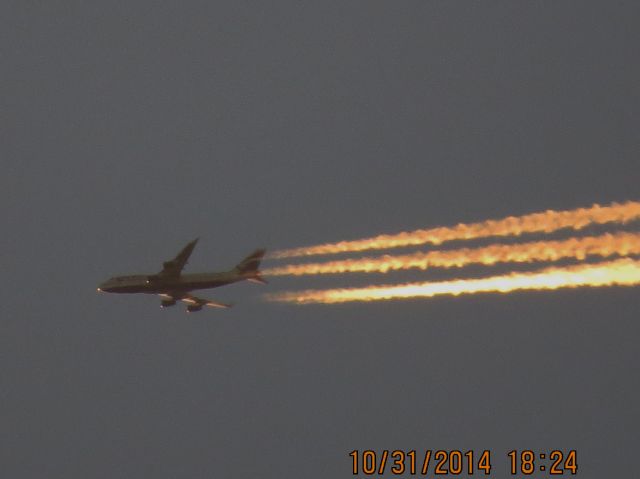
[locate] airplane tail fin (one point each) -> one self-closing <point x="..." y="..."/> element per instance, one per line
<point x="248" y="267"/>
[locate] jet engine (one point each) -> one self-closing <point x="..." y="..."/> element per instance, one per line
<point x="192" y="308"/>
<point x="167" y="302"/>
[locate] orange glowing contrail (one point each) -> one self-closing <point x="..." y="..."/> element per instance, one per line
<point x="622" y="272"/>
<point x="544" y="222"/>
<point x="621" y="244"/>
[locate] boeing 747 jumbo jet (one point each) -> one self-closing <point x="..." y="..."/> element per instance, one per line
<point x="171" y="285"/>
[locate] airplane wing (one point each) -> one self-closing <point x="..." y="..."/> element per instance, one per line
<point x="199" y="302"/>
<point x="173" y="268"/>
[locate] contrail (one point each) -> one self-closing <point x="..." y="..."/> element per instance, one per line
<point x="543" y="222"/>
<point x="606" y="245"/>
<point x="622" y="272"/>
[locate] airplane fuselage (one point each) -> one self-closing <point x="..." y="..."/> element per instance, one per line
<point x="153" y="284"/>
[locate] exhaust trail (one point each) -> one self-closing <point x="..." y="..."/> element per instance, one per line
<point x="607" y="245"/>
<point x="543" y="222"/>
<point x="622" y="272"/>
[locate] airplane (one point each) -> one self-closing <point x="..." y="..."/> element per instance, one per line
<point x="172" y="286"/>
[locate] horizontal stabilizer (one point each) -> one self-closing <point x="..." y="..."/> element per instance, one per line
<point x="248" y="267"/>
<point x="257" y="279"/>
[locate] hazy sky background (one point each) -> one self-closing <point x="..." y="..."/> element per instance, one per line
<point x="129" y="128"/>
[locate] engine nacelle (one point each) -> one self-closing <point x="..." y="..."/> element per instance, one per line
<point x="167" y="302"/>
<point x="192" y="308"/>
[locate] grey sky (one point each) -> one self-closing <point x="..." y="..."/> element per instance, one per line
<point x="129" y="128"/>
